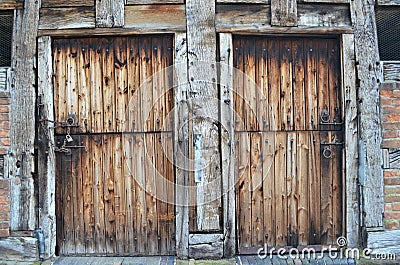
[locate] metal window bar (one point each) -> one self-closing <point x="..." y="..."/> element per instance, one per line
<point x="388" y="27"/>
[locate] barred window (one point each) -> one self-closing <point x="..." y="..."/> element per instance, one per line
<point x="388" y="27"/>
<point x="6" y="24"/>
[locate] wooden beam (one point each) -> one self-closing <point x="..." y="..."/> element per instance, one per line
<point x="161" y="17"/>
<point x="70" y="3"/>
<point x="110" y="13"/>
<point x="351" y="190"/>
<point x="19" y="248"/>
<point x="369" y="75"/>
<point x="10" y="4"/>
<point x="46" y="156"/>
<point x="243" y="1"/>
<point x="153" y="2"/>
<point x="98" y="32"/>
<point x="284" y="13"/>
<point x="227" y="143"/>
<point x="388" y="2"/>
<point x="181" y="147"/>
<point x="203" y="96"/>
<point x="22" y="118"/>
<point x="312" y="19"/>
<point x="66" y="18"/>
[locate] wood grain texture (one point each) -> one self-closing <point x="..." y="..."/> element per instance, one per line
<point x="109" y="13"/>
<point x="369" y="75"/>
<point x="201" y="43"/>
<point x="160" y="17"/>
<point x="389" y="2"/>
<point x="351" y="132"/>
<point x="284" y="13"/>
<point x="67" y="17"/>
<point x="72" y="3"/>
<point x="46" y="155"/>
<point x="153" y="2"/>
<point x="227" y="143"/>
<point x="22" y="119"/>
<point x="10" y="5"/>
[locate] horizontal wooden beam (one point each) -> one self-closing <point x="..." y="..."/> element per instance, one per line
<point x="70" y="3"/>
<point x="312" y="19"/>
<point x="388" y="2"/>
<point x="11" y="4"/>
<point x="160" y="17"/>
<point x="153" y="2"/>
<point x="93" y="32"/>
<point x="391" y="71"/>
<point x="243" y="1"/>
<point x="326" y="1"/>
<point x="67" y="18"/>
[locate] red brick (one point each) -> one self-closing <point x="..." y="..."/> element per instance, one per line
<point x="4" y="101"/>
<point x="386" y="101"/>
<point x="392" y="215"/>
<point x="5" y="184"/>
<point x="385" y="118"/>
<point x="390" y="173"/>
<point x="391" y="224"/>
<point x="392" y="189"/>
<point x="4" y="232"/>
<point x="4" y="133"/>
<point x="4" y="225"/>
<point x="5" y="125"/>
<point x="392" y="198"/>
<point x="4" y="208"/>
<point x="390" y="134"/>
<point x="391" y="126"/>
<point x="4" y="217"/>
<point x="5" y="142"/>
<point x="392" y="181"/>
<point x="391" y="143"/>
<point x="388" y="207"/>
<point x="3" y="151"/>
<point x="4" y="109"/>
<point x="4" y="117"/>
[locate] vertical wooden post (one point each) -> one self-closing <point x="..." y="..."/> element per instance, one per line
<point x="351" y="149"/>
<point x="46" y="155"/>
<point x="110" y="13"/>
<point x="22" y="118"/>
<point x="203" y="96"/>
<point x="227" y="143"/>
<point x="284" y="13"/>
<point x="181" y="148"/>
<point x="369" y="75"/>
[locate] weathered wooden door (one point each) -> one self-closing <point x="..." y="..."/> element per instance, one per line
<point x="114" y="179"/>
<point x="289" y="141"/>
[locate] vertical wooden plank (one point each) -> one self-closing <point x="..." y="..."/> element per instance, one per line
<point x="326" y="189"/>
<point x="280" y="189"/>
<point x="60" y="200"/>
<point x="249" y="88"/>
<point x="337" y="198"/>
<point x="161" y="176"/>
<point x="158" y="103"/>
<point x="146" y="84"/>
<point x="269" y="152"/>
<point x="284" y="13"/>
<point x="335" y="107"/>
<point x="274" y="84"/>
<point x="98" y="202"/>
<point x="68" y="231"/>
<point x="170" y="185"/>
<point x="322" y="81"/>
<point x="88" y="207"/>
<point x="78" y="197"/>
<point x="108" y="85"/>
<point x="314" y="169"/>
<point x="243" y="184"/>
<point x="96" y="90"/>
<point x="256" y="179"/>
<point x="119" y="193"/>
<point x="141" y="212"/>
<point x="311" y="91"/>
<point x="121" y="82"/>
<point x="72" y="87"/>
<point x="109" y="13"/>
<point x="351" y="133"/>
<point x="129" y="207"/>
<point x="238" y="98"/>
<point x="228" y="142"/>
<point x="291" y="189"/>
<point x="108" y="189"/>
<point x="134" y="118"/>
<point x="261" y="46"/>
<point x="151" y="191"/>
<point x="286" y="92"/>
<point x="59" y="82"/>
<point x="299" y="97"/>
<point x="181" y="145"/>
<point x="84" y="85"/>
<point x="303" y="157"/>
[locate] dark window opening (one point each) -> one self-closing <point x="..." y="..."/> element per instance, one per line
<point x="388" y="27"/>
<point x="6" y="25"/>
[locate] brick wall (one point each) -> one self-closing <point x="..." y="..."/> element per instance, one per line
<point x="4" y="181"/>
<point x="390" y="111"/>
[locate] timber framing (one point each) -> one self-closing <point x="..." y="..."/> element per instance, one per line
<point x="203" y="51"/>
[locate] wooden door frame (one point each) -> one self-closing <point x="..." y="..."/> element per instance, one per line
<point x="351" y="211"/>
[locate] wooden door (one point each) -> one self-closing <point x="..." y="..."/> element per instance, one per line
<point x="289" y="142"/>
<point x="114" y="174"/>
